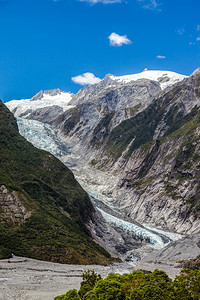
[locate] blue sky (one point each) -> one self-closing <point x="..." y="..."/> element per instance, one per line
<point x="46" y="43"/>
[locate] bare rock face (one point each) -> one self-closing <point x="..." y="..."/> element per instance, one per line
<point x="45" y="114"/>
<point x="91" y="91"/>
<point x="99" y="112"/>
<point x="12" y="209"/>
<point x="153" y="159"/>
<point x="158" y="170"/>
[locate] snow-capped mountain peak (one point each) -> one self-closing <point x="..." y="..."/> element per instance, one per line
<point x="165" y="78"/>
<point x="55" y="94"/>
<point x="41" y="100"/>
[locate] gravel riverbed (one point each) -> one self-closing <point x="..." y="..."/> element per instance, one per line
<point x="29" y="279"/>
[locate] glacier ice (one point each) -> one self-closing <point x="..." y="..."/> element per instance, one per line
<point x="41" y="135"/>
<point x="134" y="230"/>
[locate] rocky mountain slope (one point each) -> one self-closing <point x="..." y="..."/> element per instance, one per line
<point x="105" y="105"/>
<point x="43" y="209"/>
<point x="133" y="143"/>
<point x="158" y="151"/>
<point x="111" y="101"/>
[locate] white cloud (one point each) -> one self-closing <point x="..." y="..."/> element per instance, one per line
<point x="86" y="79"/>
<point x="161" y="56"/>
<point x="101" y="1"/>
<point x="180" y="31"/>
<point x="149" y="4"/>
<point x="198" y="39"/>
<point x="118" y="40"/>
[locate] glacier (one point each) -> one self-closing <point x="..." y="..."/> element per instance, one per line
<point x="42" y="136"/>
<point x="134" y="230"/>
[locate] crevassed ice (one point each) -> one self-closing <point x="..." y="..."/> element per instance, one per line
<point x="40" y="135"/>
<point x="172" y="235"/>
<point x="135" y="230"/>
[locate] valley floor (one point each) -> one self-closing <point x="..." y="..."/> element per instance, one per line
<point x="30" y="279"/>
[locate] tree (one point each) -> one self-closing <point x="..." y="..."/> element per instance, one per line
<point x="106" y="289"/>
<point x="187" y="284"/>
<point x="90" y="278"/>
<point x="72" y="295"/>
<point x="148" y="292"/>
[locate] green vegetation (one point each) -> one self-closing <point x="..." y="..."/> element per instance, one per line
<point x="53" y="206"/>
<point x="132" y="110"/>
<point x="138" y="285"/>
<point x="90" y="279"/>
<point x="181" y="121"/>
<point x="93" y="162"/>
<point x="135" y="131"/>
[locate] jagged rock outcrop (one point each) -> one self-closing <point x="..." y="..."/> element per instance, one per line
<point x="45" y="115"/>
<point x="42" y="94"/>
<point x="12" y="209"/>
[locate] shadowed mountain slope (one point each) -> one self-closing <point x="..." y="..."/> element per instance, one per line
<point x="43" y="209"/>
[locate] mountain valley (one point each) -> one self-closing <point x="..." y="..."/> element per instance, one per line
<point x="133" y="145"/>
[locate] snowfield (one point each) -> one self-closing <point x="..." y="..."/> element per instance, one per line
<point x="165" y="78"/>
<point x="19" y="107"/>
